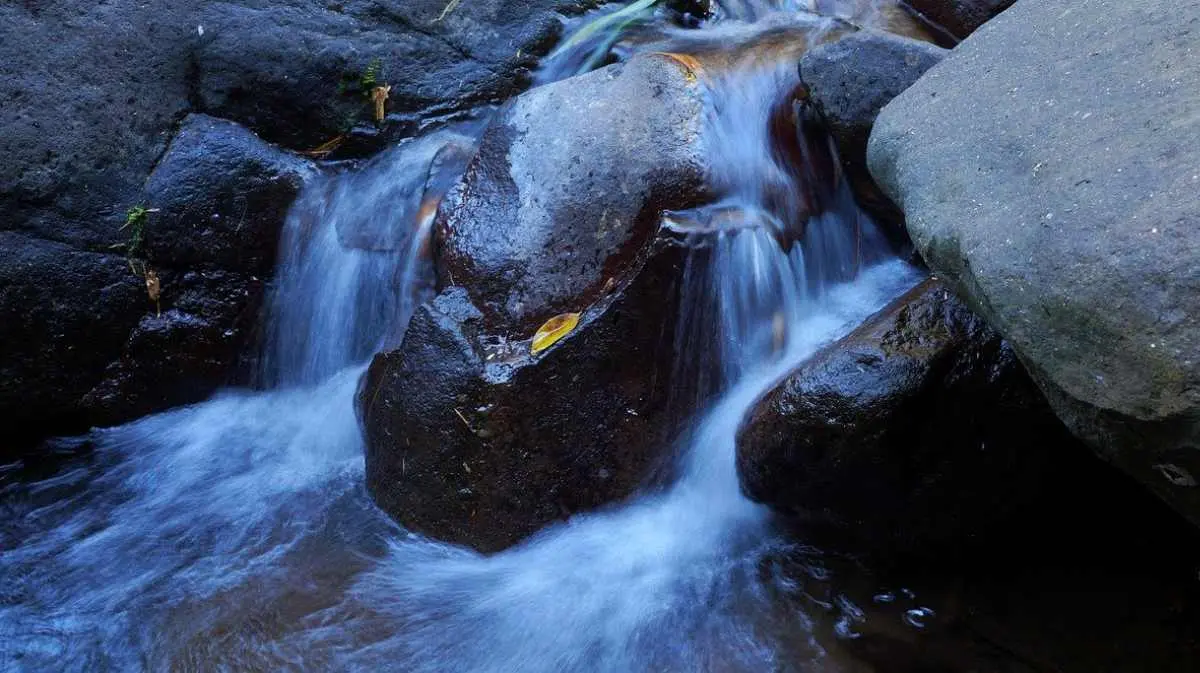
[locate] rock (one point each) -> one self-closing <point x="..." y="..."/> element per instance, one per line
<point x="182" y="354"/>
<point x="219" y="196"/>
<point x="101" y="350"/>
<point x="957" y="18"/>
<point x="917" y="431"/>
<point x="848" y="82"/>
<point x="567" y="189"/>
<point x="470" y="437"/>
<point x="1069" y="219"/>
<point x="65" y="314"/>
<point x="93" y="93"/>
<point x="300" y="73"/>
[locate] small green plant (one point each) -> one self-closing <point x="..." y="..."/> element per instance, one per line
<point x="135" y="221"/>
<point x="371" y="75"/>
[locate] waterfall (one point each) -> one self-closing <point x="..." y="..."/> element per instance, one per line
<point x="236" y="535"/>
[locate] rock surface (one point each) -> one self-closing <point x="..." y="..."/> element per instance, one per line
<point x="1055" y="185"/>
<point x="93" y="94"/>
<point x="848" y="82"/>
<point x="99" y="350"/>
<point x="917" y="431"/>
<point x="571" y="184"/>
<point x="470" y="437"/>
<point x="958" y="18"/>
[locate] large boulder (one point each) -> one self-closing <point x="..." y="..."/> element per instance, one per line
<point x="93" y="94"/>
<point x="848" y="82"/>
<point x="471" y="436"/>
<point x="916" y="432"/>
<point x="1054" y="184"/>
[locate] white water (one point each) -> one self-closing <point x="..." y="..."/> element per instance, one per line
<point x="235" y="534"/>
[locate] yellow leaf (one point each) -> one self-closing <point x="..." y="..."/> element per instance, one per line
<point x="691" y="65"/>
<point x="153" y="288"/>
<point x="379" y="96"/>
<point x="552" y="330"/>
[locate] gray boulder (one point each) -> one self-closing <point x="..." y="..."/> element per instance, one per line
<point x="1054" y="183"/>
<point x="848" y="82"/>
<point x="473" y="438"/>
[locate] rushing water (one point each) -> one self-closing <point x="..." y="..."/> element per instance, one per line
<point x="236" y="534"/>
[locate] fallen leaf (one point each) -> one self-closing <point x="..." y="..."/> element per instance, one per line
<point x="325" y="148"/>
<point x="153" y="289"/>
<point x="379" y="96"/>
<point x="552" y="330"/>
<point x="691" y="65"/>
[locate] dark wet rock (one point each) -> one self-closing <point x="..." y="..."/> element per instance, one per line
<point x="1068" y="219"/>
<point x="958" y="18"/>
<point x="917" y="431"/>
<point x="568" y="187"/>
<point x="470" y="437"/>
<point x="182" y="354"/>
<point x="848" y="82"/>
<point x="300" y="73"/>
<point x="99" y="351"/>
<point x="219" y="196"/>
<point x="65" y="313"/>
<point x="93" y="93"/>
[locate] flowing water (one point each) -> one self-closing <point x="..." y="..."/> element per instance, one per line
<point x="236" y="534"/>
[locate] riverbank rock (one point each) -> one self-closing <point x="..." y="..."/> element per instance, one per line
<point x="214" y="205"/>
<point x="472" y="437"/>
<point x="93" y="95"/>
<point x="1070" y="219"/>
<point x="848" y="82"/>
<point x="917" y="431"/>
<point x="958" y="18"/>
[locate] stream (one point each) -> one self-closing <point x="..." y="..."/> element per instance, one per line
<point x="237" y="535"/>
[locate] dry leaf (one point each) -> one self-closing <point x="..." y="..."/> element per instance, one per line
<point x="153" y="288"/>
<point x="691" y="65"/>
<point x="379" y="96"/>
<point x="325" y="148"/>
<point x="552" y="330"/>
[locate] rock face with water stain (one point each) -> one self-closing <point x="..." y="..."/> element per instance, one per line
<point x="917" y="431"/>
<point x="1054" y="184"/>
<point x="470" y="437"/>
<point x="848" y="82"/>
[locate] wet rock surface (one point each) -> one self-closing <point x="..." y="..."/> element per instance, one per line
<point x="102" y="350"/>
<point x="567" y="188"/>
<point x="918" y="431"/>
<point x="848" y="82"/>
<point x="958" y="18"/>
<point x="97" y="92"/>
<point x="1069" y="220"/>
<point x="473" y="439"/>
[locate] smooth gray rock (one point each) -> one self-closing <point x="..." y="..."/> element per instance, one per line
<point x="1050" y="168"/>
<point x="848" y="82"/>
<point x="568" y="185"/>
